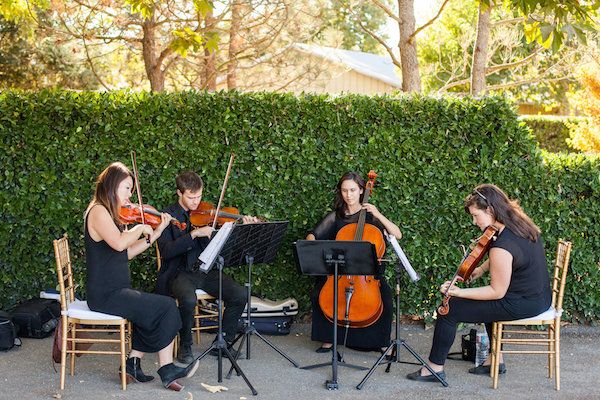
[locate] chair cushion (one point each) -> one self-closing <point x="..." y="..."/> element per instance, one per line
<point x="79" y="309"/>
<point x="547" y="315"/>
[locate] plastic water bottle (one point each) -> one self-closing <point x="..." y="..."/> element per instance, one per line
<point x="482" y="347"/>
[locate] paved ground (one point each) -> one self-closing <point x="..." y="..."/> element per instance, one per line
<point x="27" y="373"/>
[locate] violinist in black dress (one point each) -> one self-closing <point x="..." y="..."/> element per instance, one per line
<point x="348" y="204"/>
<point x="519" y="280"/>
<point x="109" y="246"/>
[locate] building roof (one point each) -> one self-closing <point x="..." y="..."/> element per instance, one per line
<point x="372" y="65"/>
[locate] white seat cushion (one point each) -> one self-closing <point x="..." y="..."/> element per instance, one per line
<point x="547" y="315"/>
<point x="200" y="292"/>
<point x="79" y="309"/>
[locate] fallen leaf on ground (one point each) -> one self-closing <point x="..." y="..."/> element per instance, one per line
<point x="213" y="389"/>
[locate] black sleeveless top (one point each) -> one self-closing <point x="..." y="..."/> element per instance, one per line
<point x="107" y="270"/>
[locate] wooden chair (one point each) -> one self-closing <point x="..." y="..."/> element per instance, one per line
<point x="550" y="337"/>
<point x="76" y="313"/>
<point x="201" y="310"/>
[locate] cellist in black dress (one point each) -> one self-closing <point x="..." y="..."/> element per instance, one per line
<point x="109" y="246"/>
<point x="348" y="204"/>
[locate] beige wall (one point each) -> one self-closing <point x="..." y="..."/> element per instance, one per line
<point x="353" y="82"/>
<point x="310" y="74"/>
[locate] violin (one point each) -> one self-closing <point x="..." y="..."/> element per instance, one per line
<point x="130" y="213"/>
<point x="359" y="297"/>
<point x="469" y="263"/>
<point x="206" y="212"/>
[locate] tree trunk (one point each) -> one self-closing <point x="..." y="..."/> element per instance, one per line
<point x="209" y="76"/>
<point x="151" y="61"/>
<point x="480" y="52"/>
<point x="235" y="41"/>
<point x="411" y="79"/>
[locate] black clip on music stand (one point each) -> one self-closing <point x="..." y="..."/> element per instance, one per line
<point x="220" y="343"/>
<point x="395" y="344"/>
<point x="332" y="257"/>
<point x="254" y="243"/>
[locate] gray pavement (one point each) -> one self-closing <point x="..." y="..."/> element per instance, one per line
<point x="27" y="373"/>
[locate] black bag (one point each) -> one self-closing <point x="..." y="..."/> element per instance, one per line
<point x="36" y="318"/>
<point x="279" y="325"/>
<point x="8" y="332"/>
<point x="468" y="347"/>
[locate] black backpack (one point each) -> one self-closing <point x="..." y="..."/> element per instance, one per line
<point x="8" y="332"/>
<point x="36" y="318"/>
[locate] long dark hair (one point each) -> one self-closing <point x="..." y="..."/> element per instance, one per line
<point x="106" y="189"/>
<point x="504" y="210"/>
<point x="339" y="204"/>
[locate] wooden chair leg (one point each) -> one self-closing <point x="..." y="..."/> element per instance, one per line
<point x="557" y="353"/>
<point x="73" y="347"/>
<point x="551" y="350"/>
<point x="63" y="353"/>
<point x="496" y="365"/>
<point x="492" y="350"/>
<point x="123" y="355"/>
<point x="197" y="323"/>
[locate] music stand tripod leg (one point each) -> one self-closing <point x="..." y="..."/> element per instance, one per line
<point x="395" y="343"/>
<point x="220" y="342"/>
<point x="249" y="329"/>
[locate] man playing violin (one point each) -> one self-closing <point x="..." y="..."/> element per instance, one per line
<point x="179" y="275"/>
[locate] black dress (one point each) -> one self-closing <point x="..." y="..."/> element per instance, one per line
<point x="372" y="337"/>
<point x="155" y="318"/>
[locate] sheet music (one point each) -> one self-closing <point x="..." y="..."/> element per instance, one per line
<point x="409" y="269"/>
<point x="207" y="257"/>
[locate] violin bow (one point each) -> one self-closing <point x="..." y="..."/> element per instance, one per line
<point x="138" y="191"/>
<point x="223" y="189"/>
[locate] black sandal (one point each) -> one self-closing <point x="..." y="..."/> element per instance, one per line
<point x="324" y="349"/>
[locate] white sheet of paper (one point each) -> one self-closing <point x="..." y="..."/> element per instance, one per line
<point x="214" y="247"/>
<point x="409" y="269"/>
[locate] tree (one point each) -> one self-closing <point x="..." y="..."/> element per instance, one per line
<point x="42" y="63"/>
<point x="161" y="32"/>
<point x="547" y="22"/>
<point x="586" y="136"/>
<point x="526" y="72"/>
<point x="342" y="20"/>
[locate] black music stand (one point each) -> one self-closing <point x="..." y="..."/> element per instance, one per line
<point x="333" y="257"/>
<point x="223" y="246"/>
<point x="254" y="243"/>
<point x="391" y="353"/>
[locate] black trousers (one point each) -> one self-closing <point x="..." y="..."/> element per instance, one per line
<point x="184" y="288"/>
<point x="478" y="311"/>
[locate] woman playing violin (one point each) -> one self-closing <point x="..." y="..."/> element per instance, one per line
<point x="108" y="247"/>
<point x="519" y="281"/>
<point x="347" y="207"/>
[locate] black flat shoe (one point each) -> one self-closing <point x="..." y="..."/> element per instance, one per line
<point x="485" y="369"/>
<point x="416" y="376"/>
<point x="324" y="349"/>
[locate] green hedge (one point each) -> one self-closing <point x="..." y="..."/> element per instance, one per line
<point x="290" y="151"/>
<point x="552" y="132"/>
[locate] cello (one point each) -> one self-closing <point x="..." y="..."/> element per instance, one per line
<point x="359" y="297"/>
<point x="469" y="263"/>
